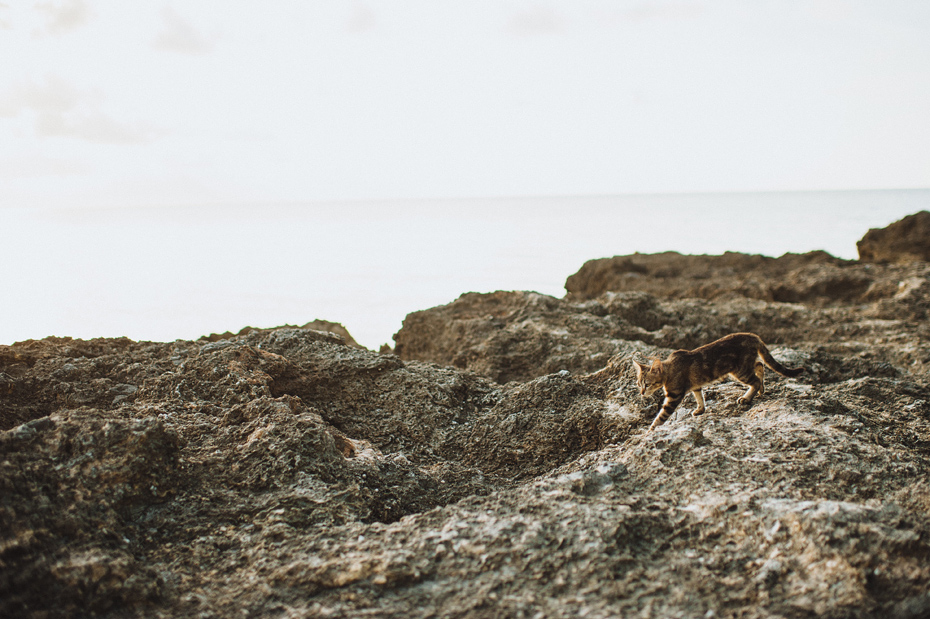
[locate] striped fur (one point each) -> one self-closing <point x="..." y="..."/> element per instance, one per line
<point x="739" y="355"/>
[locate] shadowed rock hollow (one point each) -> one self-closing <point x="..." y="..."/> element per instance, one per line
<point x="497" y="466"/>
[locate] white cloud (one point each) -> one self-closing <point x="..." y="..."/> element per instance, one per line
<point x="61" y="110"/>
<point x="92" y="126"/>
<point x="37" y="165"/>
<point x="362" y="19"/>
<point x="663" y="11"/>
<point x="4" y="23"/>
<point x="537" y="20"/>
<point x="62" y="17"/>
<point x="176" y="35"/>
<point x="54" y="97"/>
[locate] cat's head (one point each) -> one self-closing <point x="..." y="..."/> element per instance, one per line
<point x="649" y="377"/>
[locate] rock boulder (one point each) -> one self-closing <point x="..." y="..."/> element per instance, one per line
<point x="904" y="241"/>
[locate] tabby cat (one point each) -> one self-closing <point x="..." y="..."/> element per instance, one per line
<point x="737" y="354"/>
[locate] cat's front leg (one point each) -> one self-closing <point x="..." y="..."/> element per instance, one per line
<point x="672" y="400"/>
<point x="699" y="397"/>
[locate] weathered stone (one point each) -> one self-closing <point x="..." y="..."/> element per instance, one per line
<point x="825" y="279"/>
<point x="498" y="465"/>
<point x="906" y="240"/>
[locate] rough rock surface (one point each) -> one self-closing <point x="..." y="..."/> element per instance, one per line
<point x="816" y="279"/>
<point x="285" y="473"/>
<point x="516" y="336"/>
<point x="907" y="240"/>
<point x="316" y="325"/>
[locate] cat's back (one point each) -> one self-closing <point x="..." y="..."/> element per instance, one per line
<point x="733" y="343"/>
<point x="682" y="357"/>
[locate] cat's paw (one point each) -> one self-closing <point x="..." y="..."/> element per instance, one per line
<point x="743" y="402"/>
<point x="697" y="412"/>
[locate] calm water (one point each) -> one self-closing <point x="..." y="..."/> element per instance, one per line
<point x="179" y="273"/>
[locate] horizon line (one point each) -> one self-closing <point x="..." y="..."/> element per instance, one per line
<point x="421" y="200"/>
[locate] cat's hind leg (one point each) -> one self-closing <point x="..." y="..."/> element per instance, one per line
<point x="699" y="397"/>
<point x="755" y="386"/>
<point x="760" y="374"/>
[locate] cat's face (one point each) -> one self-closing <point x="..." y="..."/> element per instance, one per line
<point x="649" y="379"/>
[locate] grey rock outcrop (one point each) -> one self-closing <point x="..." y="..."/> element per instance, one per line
<point x="907" y="240"/>
<point x="815" y="278"/>
<point x="286" y="472"/>
<point x="497" y="466"/>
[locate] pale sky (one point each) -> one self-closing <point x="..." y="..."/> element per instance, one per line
<point x="109" y="103"/>
<point x="169" y="168"/>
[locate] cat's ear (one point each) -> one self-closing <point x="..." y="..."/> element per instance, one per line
<point x="640" y="368"/>
<point x="656" y="365"/>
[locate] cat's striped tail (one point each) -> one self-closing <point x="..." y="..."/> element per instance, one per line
<point x="770" y="361"/>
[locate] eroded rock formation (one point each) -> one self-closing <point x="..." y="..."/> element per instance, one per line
<point x="907" y="240"/>
<point x="504" y="472"/>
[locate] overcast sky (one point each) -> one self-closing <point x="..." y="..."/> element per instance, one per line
<point x="114" y="103"/>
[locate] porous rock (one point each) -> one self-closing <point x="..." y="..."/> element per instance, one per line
<point x="519" y="336"/>
<point x="505" y="472"/>
<point x="906" y="240"/>
<point x="815" y="277"/>
<point x="315" y="325"/>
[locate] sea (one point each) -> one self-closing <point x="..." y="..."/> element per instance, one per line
<point x="170" y="273"/>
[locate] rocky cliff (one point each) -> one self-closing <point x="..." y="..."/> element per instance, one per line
<point x="496" y="466"/>
<point x="903" y="241"/>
